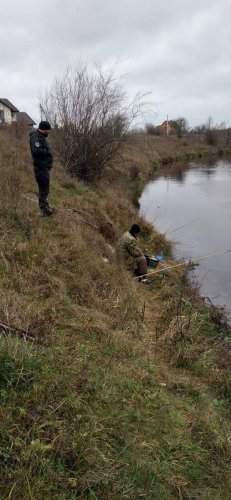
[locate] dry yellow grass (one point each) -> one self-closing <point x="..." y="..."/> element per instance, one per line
<point x="123" y="393"/>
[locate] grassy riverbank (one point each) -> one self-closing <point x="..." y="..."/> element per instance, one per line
<point x="151" y="152"/>
<point x="125" y="391"/>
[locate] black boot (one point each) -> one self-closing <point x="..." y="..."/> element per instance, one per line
<point x="47" y="211"/>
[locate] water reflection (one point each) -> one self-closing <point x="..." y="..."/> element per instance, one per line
<point x="195" y="198"/>
<point x="178" y="172"/>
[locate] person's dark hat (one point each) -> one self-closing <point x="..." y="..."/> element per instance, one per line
<point x="135" y="229"/>
<point x="44" y="125"/>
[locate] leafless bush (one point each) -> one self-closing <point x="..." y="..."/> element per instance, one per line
<point x="181" y="126"/>
<point x="211" y="136"/>
<point x="227" y="137"/>
<point x="134" y="172"/>
<point x="91" y="115"/>
<point x="151" y="129"/>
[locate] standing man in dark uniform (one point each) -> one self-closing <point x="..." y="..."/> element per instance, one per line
<point x="42" y="160"/>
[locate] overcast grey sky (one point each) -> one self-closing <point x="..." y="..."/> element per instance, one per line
<point x="180" y="50"/>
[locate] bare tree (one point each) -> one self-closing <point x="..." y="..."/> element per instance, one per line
<point x="91" y="115"/>
<point x="181" y="125"/>
<point x="151" y="129"/>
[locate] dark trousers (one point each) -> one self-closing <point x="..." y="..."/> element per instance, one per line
<point x="42" y="176"/>
<point x="142" y="267"/>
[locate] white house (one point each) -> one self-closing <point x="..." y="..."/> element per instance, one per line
<point x="8" y="112"/>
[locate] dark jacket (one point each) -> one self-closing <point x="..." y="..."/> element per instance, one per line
<point x="40" y="150"/>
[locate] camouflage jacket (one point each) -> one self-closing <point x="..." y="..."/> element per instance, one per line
<point x="128" y="248"/>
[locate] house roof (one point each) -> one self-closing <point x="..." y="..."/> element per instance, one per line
<point x="8" y="104"/>
<point x="23" y="117"/>
<point x="170" y="123"/>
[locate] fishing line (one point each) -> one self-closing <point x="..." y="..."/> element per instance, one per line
<point x="181" y="227"/>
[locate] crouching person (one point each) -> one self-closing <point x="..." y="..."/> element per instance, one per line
<point x="132" y="255"/>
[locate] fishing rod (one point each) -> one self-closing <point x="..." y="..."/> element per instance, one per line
<point x="181" y="227"/>
<point x="190" y="261"/>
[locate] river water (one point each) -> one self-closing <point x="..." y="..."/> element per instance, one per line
<point x="198" y="197"/>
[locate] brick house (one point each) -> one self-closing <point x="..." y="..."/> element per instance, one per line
<point x="167" y="125"/>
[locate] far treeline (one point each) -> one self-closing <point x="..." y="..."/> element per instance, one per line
<point x="180" y="127"/>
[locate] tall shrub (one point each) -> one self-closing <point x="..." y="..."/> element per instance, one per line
<point x="91" y="116"/>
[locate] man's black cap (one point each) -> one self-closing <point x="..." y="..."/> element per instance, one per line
<point x="44" y="125"/>
<point x="135" y="229"/>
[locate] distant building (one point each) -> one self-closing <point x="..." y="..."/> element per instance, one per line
<point x="8" y="112"/>
<point x="167" y="128"/>
<point x="10" y="115"/>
